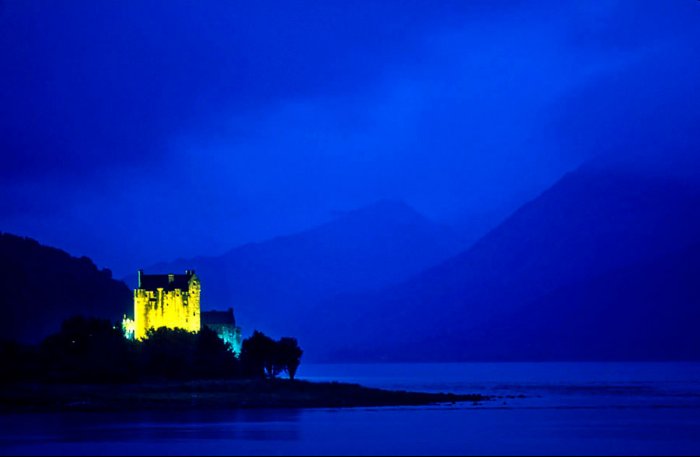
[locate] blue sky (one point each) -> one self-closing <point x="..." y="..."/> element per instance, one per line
<point x="140" y="131"/>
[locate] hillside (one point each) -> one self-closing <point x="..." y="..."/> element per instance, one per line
<point x="43" y="286"/>
<point x="274" y="284"/>
<point x="647" y="311"/>
<point x="592" y="222"/>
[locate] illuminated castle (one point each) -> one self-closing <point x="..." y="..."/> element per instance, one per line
<point x="171" y="301"/>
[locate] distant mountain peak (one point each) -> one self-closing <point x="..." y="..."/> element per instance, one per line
<point x="273" y="283"/>
<point x="593" y="221"/>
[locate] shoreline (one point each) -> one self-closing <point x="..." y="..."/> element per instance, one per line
<point x="210" y="395"/>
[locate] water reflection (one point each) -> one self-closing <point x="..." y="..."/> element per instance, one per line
<point x="112" y="433"/>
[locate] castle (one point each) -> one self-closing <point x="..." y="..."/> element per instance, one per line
<point x="173" y="301"/>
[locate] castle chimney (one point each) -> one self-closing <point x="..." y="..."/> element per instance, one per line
<point x="140" y="277"/>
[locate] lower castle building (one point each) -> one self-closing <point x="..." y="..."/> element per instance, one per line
<point x="224" y="324"/>
<point x="173" y="301"/>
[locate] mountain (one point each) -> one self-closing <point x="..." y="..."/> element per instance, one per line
<point x="43" y="286"/>
<point x="592" y="222"/>
<point x="647" y="311"/>
<point x="274" y="284"/>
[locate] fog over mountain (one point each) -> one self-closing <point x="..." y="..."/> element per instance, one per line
<point x="273" y="285"/>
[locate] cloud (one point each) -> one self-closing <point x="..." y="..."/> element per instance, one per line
<point x="91" y="86"/>
<point x="230" y="121"/>
<point x="643" y="113"/>
<point x="461" y="127"/>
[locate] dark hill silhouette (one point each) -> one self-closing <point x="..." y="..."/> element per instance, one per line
<point x="592" y="222"/>
<point x="274" y="284"/>
<point x="44" y="286"/>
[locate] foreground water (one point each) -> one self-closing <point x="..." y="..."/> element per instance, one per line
<point x="547" y="408"/>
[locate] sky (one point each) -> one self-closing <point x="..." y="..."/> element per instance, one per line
<point x="135" y="132"/>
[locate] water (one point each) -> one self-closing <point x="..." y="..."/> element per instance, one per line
<point x="579" y="408"/>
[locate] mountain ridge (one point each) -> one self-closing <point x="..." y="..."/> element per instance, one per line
<point x="45" y="285"/>
<point x="362" y="249"/>
<point x="591" y="222"/>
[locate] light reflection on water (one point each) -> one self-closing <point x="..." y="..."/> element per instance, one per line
<point x="568" y="409"/>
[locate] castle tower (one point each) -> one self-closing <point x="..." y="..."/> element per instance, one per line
<point x="171" y="301"/>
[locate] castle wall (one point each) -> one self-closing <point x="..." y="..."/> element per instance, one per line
<point x="170" y="309"/>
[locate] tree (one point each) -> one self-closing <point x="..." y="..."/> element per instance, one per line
<point x="259" y="356"/>
<point x="213" y="356"/>
<point x="289" y="355"/>
<point x="264" y="357"/>
<point x="168" y="353"/>
<point x="17" y="362"/>
<point x="179" y="354"/>
<point x="87" y="350"/>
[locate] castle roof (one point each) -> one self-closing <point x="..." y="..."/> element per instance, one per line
<point x="168" y="282"/>
<point x="218" y="317"/>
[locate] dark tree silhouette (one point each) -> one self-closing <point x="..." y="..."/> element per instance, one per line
<point x="289" y="354"/>
<point x="264" y="357"/>
<point x="90" y="350"/>
<point x="259" y="356"/>
<point x="213" y="357"/>
<point x="167" y="353"/>
<point x="179" y="354"/>
<point x="18" y="362"/>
